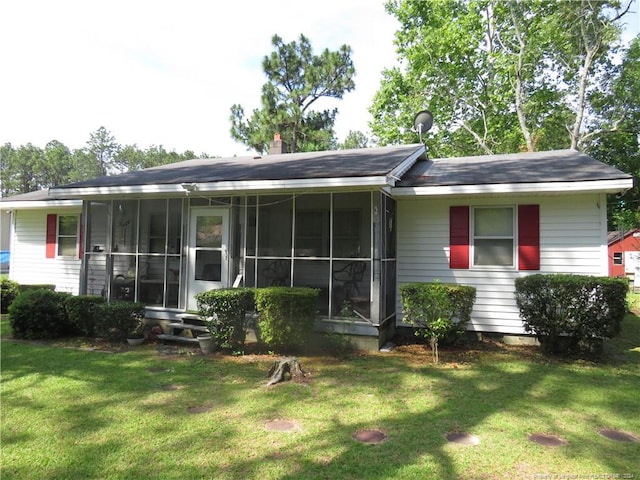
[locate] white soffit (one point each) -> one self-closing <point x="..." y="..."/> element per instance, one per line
<point x="605" y="186"/>
<point x="240" y="186"/>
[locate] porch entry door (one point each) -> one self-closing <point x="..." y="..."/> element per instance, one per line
<point x="208" y="254"/>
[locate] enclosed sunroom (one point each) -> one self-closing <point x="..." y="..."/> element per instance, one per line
<point x="333" y="229"/>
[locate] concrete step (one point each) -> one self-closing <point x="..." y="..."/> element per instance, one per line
<point x="192" y="318"/>
<point x="187" y="326"/>
<point x="177" y="338"/>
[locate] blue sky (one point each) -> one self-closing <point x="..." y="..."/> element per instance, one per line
<point x="166" y="72"/>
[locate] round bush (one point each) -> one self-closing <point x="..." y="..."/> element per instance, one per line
<point x="38" y="314"/>
<point x="81" y="312"/>
<point x="116" y="320"/>
<point x="9" y="290"/>
<point x="571" y="313"/>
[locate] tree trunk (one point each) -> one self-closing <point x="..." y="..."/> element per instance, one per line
<point x="282" y="367"/>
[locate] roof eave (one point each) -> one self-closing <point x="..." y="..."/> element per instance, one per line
<point x="225" y="186"/>
<point x="602" y="186"/>
<point x="35" y="204"/>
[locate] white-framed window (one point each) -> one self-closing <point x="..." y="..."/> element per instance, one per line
<point x="67" y="235"/>
<point x="494" y="236"/>
<point x="617" y="258"/>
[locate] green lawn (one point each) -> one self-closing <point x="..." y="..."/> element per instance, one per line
<point x="76" y="414"/>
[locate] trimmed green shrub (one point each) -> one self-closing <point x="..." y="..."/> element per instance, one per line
<point x="439" y="311"/>
<point x="224" y="310"/>
<point x="117" y="319"/>
<point x="37" y="286"/>
<point x="286" y="315"/>
<point x="8" y="291"/>
<point x="81" y="312"/>
<point x="571" y="313"/>
<point x="39" y="313"/>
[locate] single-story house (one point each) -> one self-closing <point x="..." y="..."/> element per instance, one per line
<point x="356" y="224"/>
<point x="624" y="253"/>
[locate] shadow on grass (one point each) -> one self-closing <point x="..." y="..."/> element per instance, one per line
<point x="414" y="402"/>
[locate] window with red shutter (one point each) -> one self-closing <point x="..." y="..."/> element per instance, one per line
<point x="62" y="236"/>
<point x="494" y="234"/>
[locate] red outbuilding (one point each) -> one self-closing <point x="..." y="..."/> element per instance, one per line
<point x="624" y="252"/>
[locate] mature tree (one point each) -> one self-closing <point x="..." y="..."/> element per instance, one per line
<point x="296" y="80"/>
<point x="6" y="153"/>
<point x="354" y="139"/>
<point x="20" y="166"/>
<point x="616" y="136"/>
<point x="55" y="166"/>
<point x="130" y="157"/>
<point x="499" y="76"/>
<point x="103" y="146"/>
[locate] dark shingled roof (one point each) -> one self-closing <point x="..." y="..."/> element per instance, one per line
<point x="363" y="162"/>
<point x="535" y="167"/>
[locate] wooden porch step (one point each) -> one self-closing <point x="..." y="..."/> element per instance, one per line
<point x="177" y="338"/>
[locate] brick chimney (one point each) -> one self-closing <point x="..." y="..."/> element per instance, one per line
<point x="277" y="145"/>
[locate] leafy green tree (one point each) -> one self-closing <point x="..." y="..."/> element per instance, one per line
<point x="6" y="153"/>
<point x="296" y="80"/>
<point x="354" y="139"/>
<point x="85" y="166"/>
<point x="499" y="76"/>
<point x="616" y="136"/>
<point x="21" y="174"/>
<point x="103" y="146"/>
<point x="55" y="166"/>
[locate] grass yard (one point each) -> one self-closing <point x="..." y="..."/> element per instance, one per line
<point x="69" y="413"/>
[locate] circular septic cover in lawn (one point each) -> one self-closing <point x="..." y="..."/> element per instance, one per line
<point x="618" y="435"/>
<point x="547" y="440"/>
<point x="200" y="409"/>
<point x="462" y="438"/>
<point x="371" y="436"/>
<point x="281" y="426"/>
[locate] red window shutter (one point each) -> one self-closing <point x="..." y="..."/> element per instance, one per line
<point x="528" y="237"/>
<point x="52" y="230"/>
<point x="80" y="237"/>
<point x="459" y="237"/>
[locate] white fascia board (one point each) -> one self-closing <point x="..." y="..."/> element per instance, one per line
<point x="39" y="204"/>
<point x="396" y="174"/>
<point x="605" y="186"/>
<point x="254" y="185"/>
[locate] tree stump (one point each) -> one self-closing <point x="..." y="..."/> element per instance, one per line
<point x="282" y="368"/>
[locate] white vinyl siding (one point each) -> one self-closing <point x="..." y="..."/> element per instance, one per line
<point x="29" y="264"/>
<point x="572" y="235"/>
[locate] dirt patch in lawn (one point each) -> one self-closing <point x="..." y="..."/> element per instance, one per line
<point x="618" y="435"/>
<point x="547" y="440"/>
<point x="370" y="436"/>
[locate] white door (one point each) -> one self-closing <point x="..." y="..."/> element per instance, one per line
<point x="208" y="255"/>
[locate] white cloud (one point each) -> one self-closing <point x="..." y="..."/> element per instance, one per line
<point x="168" y="72"/>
